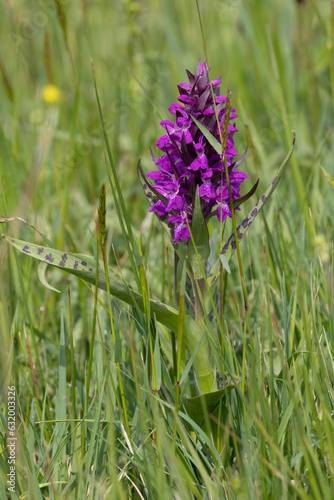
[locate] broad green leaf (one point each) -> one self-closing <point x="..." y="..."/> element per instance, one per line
<point x="242" y="199"/>
<point x="230" y="245"/>
<point x="191" y="360"/>
<point x="196" y="407"/>
<point x="204" y="437"/>
<point x="200" y="235"/>
<point x="85" y="267"/>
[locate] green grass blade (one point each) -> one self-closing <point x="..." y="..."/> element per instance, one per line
<point x="60" y="429"/>
<point x="122" y="213"/>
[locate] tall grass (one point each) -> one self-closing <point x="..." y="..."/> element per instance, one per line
<point x="99" y="414"/>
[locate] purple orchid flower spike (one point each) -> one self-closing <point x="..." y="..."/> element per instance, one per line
<point x="190" y="161"/>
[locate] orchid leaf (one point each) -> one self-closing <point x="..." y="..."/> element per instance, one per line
<point x="230" y="245"/>
<point x="85" y="267"/>
<point x="242" y="199"/>
<point x="191" y="360"/>
<point x="148" y="186"/>
<point x="41" y="274"/>
<point x="207" y="134"/>
<point x="199" y="407"/>
<point x="152" y="196"/>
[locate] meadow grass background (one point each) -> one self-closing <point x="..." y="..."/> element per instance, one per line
<point x="276" y="438"/>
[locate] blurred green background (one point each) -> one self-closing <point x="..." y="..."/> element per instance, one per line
<point x="277" y="59"/>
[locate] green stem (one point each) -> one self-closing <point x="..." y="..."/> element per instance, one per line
<point x="179" y="348"/>
<point x="244" y="353"/>
<point x="116" y="341"/>
<point x="203" y="362"/>
<point x="90" y="363"/>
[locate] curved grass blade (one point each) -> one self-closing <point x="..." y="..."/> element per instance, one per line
<point x="328" y="178"/>
<point x="122" y="213"/>
<point x="229" y="247"/>
<point x="242" y="199"/>
<point x="148" y="186"/>
<point x="19" y="219"/>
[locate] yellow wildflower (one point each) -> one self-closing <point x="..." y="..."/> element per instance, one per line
<point x="51" y="94"/>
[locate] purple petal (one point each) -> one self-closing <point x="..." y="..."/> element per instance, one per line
<point x="208" y="112"/>
<point x="173" y="108"/>
<point x="168" y="125"/>
<point x="156" y="175"/>
<point x="215" y="83"/>
<point x="159" y="208"/>
<point x="223" y="211"/>
<point x="237" y="178"/>
<point x="207" y="174"/>
<point x="195" y="165"/>
<point x="181" y="233"/>
<point x="175" y="203"/>
<point x="184" y="86"/>
<point x="220" y="98"/>
<point x="162" y="142"/>
<point x="207" y="191"/>
<point x="186" y="99"/>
